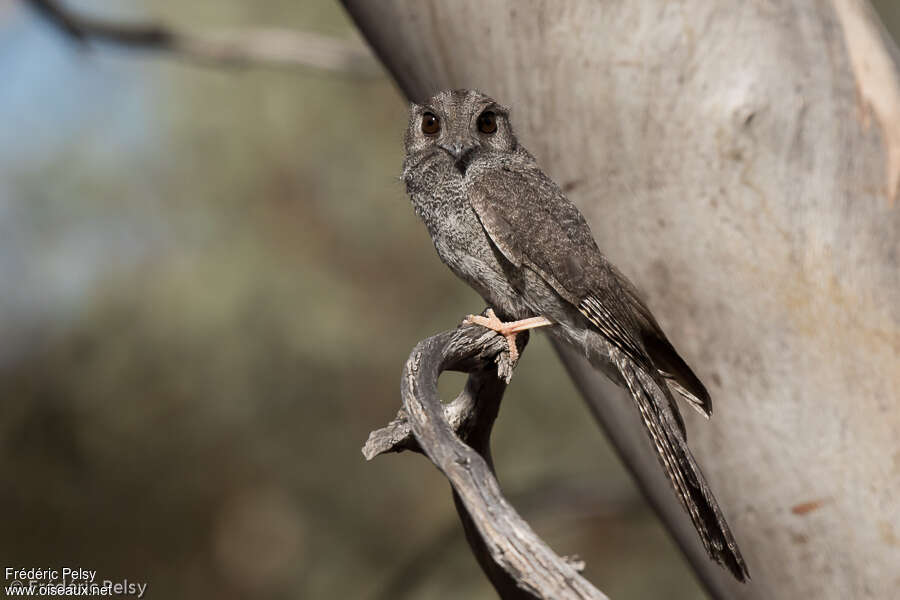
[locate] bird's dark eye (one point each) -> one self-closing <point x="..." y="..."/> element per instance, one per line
<point x="430" y="124"/>
<point x="487" y="122"/>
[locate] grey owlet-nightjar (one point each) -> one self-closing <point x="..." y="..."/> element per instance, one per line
<point x="508" y="231"/>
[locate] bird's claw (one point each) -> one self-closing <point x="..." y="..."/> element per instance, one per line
<point x="508" y="330"/>
<point x="492" y="322"/>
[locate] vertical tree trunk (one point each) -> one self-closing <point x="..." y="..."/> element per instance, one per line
<point x="740" y="162"/>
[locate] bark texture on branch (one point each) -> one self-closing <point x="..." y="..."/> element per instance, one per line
<point x="457" y="440"/>
<point x="738" y="161"/>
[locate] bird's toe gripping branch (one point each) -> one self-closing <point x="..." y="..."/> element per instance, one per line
<point x="507" y="329"/>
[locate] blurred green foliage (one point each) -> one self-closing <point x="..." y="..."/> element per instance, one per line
<point x="191" y="414"/>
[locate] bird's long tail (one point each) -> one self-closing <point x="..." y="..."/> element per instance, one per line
<point x="654" y="401"/>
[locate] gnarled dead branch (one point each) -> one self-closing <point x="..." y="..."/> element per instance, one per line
<point x="456" y="438"/>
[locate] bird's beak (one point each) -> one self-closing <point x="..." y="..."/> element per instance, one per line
<point x="457" y="149"/>
<point x="460" y="152"/>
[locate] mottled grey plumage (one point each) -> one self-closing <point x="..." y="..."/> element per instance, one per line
<point x="507" y="230"/>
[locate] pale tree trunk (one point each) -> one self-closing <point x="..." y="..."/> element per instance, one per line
<point x="740" y="162"/>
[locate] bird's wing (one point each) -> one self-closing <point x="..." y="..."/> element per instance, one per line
<point x="665" y="357"/>
<point x="533" y="224"/>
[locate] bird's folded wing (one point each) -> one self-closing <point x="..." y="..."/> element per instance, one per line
<point x="533" y="224"/>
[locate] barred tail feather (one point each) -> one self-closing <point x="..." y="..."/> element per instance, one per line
<point x="654" y="402"/>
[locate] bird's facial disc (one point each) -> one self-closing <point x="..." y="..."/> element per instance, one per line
<point x="462" y="124"/>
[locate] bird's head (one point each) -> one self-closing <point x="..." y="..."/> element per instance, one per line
<point x="457" y="126"/>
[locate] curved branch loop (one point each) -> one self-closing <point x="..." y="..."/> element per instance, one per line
<point x="456" y="438"/>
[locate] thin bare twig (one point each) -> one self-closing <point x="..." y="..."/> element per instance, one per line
<point x="267" y="46"/>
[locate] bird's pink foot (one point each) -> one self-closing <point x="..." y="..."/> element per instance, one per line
<point x="507" y="330"/>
